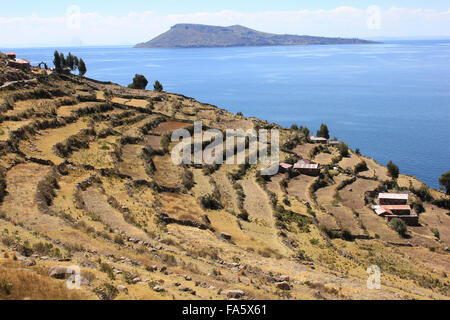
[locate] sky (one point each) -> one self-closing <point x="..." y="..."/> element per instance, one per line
<point x="101" y="22"/>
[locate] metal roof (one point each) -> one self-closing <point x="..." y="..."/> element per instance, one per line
<point x="317" y="138"/>
<point x="396" y="196"/>
<point x="285" y="165"/>
<point x="306" y="166"/>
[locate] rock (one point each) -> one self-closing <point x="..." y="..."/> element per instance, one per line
<point x="163" y="269"/>
<point x="225" y="236"/>
<point x="177" y="284"/>
<point x="283" y="285"/>
<point x="28" y="263"/>
<point x="235" y="294"/>
<point x="122" y="288"/>
<point x="158" y="288"/>
<point x="59" y="272"/>
<point x="284" y="279"/>
<point x="187" y="278"/>
<point x="136" y="280"/>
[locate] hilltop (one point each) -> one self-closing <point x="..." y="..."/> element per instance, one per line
<point x="202" y="36"/>
<point x="86" y="179"/>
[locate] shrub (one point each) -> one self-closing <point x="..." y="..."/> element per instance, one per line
<point x="444" y="182"/>
<point x="139" y="82"/>
<point x="158" y="86"/>
<point x="119" y="240"/>
<point x="106" y="268"/>
<point x="211" y="201"/>
<point x="399" y="226"/>
<point x="360" y="167"/>
<point x="243" y="215"/>
<point x="107" y="292"/>
<point x="393" y="170"/>
<point x="436" y="233"/>
<point x="343" y="149"/>
<point x="5" y="287"/>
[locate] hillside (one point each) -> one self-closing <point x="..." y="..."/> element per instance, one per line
<point x="86" y="179"/>
<point x="200" y="36"/>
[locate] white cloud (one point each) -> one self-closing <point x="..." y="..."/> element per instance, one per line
<point x="134" y="27"/>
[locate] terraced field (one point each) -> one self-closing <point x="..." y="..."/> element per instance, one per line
<point x="86" y="179"/>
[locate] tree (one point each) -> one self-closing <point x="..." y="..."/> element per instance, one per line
<point x="444" y="182"/>
<point x="139" y="82"/>
<point x="393" y="170"/>
<point x="82" y="67"/>
<point x="63" y="60"/>
<point x="323" y="132"/>
<point x="400" y="226"/>
<point x="158" y="86"/>
<point x="57" y="62"/>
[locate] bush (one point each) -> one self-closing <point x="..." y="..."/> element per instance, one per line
<point x="436" y="233"/>
<point x="106" y="292"/>
<point x="106" y="268"/>
<point x="119" y="240"/>
<point x="360" y="167"/>
<point x="323" y="132"/>
<point x="343" y="149"/>
<point x="139" y="82"/>
<point x="399" y="226"/>
<point x="5" y="287"/>
<point x="158" y="86"/>
<point x="393" y="170"/>
<point x="243" y="215"/>
<point x="211" y="201"/>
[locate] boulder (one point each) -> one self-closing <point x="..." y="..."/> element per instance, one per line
<point x="225" y="236"/>
<point x="235" y="294"/>
<point x="158" y="288"/>
<point x="283" y="285"/>
<point x="122" y="288"/>
<point x="59" y="272"/>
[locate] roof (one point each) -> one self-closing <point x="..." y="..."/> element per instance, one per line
<point x="304" y="161"/>
<point x="10" y="53"/>
<point x="306" y="166"/>
<point x="396" y="196"/>
<point x="389" y="209"/>
<point x="22" y="61"/>
<point x="313" y="138"/>
<point x="285" y="165"/>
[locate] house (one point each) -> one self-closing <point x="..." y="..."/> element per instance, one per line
<point x="311" y="169"/>
<point x="21" y="64"/>
<point x="318" y="139"/>
<point x="285" y="167"/>
<point x="11" y="56"/>
<point x="393" y="198"/>
<point x="304" y="161"/>
<point x="333" y="142"/>
<point x="394" y="205"/>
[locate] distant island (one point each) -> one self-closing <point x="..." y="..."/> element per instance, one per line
<point x="204" y="36"/>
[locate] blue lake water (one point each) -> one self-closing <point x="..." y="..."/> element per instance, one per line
<point x="390" y="100"/>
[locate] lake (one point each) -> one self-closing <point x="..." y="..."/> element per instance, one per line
<point x="391" y="100"/>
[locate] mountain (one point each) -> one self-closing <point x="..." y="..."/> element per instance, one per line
<point x="204" y="36"/>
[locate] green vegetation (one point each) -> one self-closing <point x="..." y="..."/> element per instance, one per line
<point x="70" y="62"/>
<point x="399" y="226"/>
<point x="343" y="149"/>
<point x="139" y="82"/>
<point x="211" y="201"/>
<point x="444" y="182"/>
<point x="158" y="86"/>
<point x="393" y="170"/>
<point x="323" y="132"/>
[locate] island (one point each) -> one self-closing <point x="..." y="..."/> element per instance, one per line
<point x="205" y="36"/>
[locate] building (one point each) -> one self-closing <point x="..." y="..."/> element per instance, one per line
<point x="395" y="205"/>
<point x="333" y="142"/>
<point x="393" y="198"/>
<point x="318" y="139"/>
<point x="11" y="56"/>
<point x="311" y="169"/>
<point x="285" y="167"/>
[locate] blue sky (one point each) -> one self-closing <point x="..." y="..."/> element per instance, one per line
<point x="101" y="22"/>
<point x="115" y="7"/>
